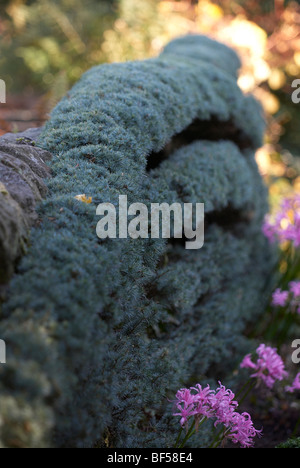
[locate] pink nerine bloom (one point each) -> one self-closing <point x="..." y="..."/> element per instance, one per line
<point x="269" y="366"/>
<point x="295" y="288"/>
<point x="220" y="405"/>
<point x="185" y="404"/>
<point x="192" y="404"/>
<point x="223" y="404"/>
<point x="285" y="225"/>
<point x="295" y="385"/>
<point x="202" y="400"/>
<point x="247" y="363"/>
<point x="242" y="430"/>
<point x="280" y="298"/>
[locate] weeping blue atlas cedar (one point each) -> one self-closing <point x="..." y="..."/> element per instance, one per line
<point x="100" y="334"/>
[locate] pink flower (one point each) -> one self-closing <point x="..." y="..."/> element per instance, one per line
<point x="185" y="404"/>
<point x="223" y="404"/>
<point x="295" y="385"/>
<point x="280" y="298"/>
<point x="242" y="430"/>
<point x="247" y="363"/>
<point x="295" y="288"/>
<point x="190" y="404"/>
<point x="269" y="366"/>
<point x="218" y="404"/>
<point x="285" y="225"/>
<point x="202" y="400"/>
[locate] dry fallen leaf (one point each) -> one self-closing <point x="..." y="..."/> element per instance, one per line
<point x="84" y="199"/>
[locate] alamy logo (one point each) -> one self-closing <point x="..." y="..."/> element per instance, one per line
<point x="296" y="353"/>
<point x="296" y="94"/>
<point x="2" y="352"/>
<point x="164" y="221"/>
<point x="2" y="92"/>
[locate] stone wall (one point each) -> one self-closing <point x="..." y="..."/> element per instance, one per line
<point x="23" y="169"/>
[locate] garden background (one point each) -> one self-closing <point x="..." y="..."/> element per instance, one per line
<point x="47" y="45"/>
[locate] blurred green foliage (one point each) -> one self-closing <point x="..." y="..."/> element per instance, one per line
<point x="45" y="43"/>
<point x="292" y="443"/>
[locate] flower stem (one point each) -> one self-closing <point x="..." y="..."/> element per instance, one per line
<point x="216" y="440"/>
<point x="188" y="435"/>
<point x="191" y="432"/>
<point x="178" y="438"/>
<point x="251" y="384"/>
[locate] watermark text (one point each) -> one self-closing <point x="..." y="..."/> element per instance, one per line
<point x="178" y="221"/>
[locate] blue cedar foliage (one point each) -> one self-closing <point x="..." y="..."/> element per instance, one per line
<point x="101" y="334"/>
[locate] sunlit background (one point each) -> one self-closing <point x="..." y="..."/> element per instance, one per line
<point x="47" y="44"/>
